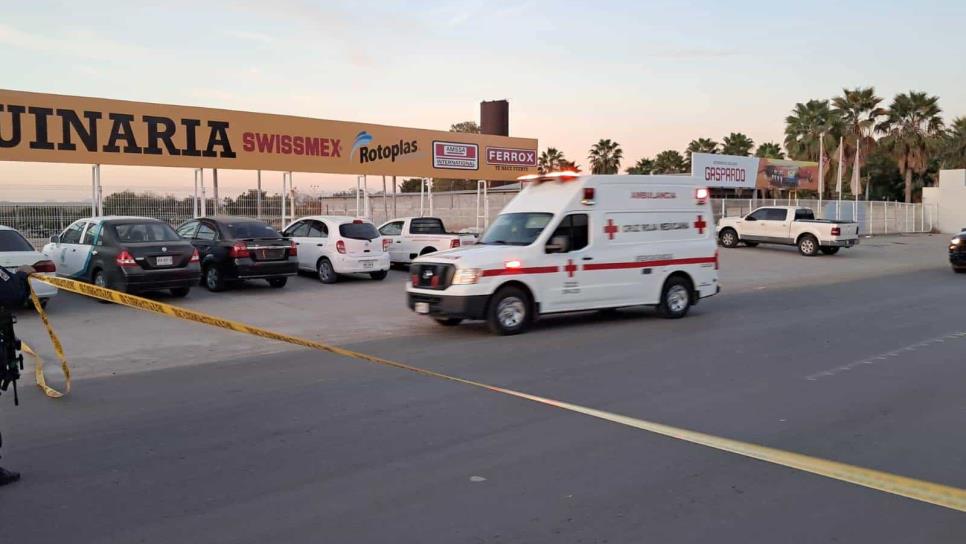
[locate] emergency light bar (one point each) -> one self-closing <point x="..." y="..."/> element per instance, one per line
<point x="550" y="176"/>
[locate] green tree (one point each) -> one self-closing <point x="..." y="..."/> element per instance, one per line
<point x="467" y="127"/>
<point x="859" y="112"/>
<point x="669" y="162"/>
<point x="737" y="143"/>
<point x="911" y="127"/>
<point x="549" y="160"/>
<point x="770" y="150"/>
<point x="410" y="185"/>
<point x="804" y="127"/>
<point x="954" y="144"/>
<point x="605" y="157"/>
<point x="642" y="167"/>
<point x="702" y="145"/>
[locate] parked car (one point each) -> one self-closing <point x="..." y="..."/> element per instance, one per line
<point x="788" y="225"/>
<point x="334" y="245"/>
<point x="16" y="251"/>
<point x="411" y="237"/>
<point x="235" y="249"/>
<point x="957" y="252"/>
<point x="569" y="243"/>
<point x="130" y="254"/>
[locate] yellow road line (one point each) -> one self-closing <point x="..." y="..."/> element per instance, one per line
<point x="920" y="490"/>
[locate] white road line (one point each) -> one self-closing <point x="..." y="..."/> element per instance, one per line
<point x="885" y="356"/>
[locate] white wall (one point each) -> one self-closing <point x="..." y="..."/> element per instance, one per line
<point x="949" y="200"/>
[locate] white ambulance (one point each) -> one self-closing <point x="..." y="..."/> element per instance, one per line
<point x="570" y="243"/>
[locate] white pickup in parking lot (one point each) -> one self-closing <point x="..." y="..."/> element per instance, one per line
<point x="788" y="225"/>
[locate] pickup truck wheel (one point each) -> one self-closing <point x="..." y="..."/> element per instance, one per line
<point x="379" y="275"/>
<point x="808" y="245"/>
<point x="829" y="250"/>
<point x="509" y="311"/>
<point x="448" y="321"/>
<point x="326" y="271"/>
<point x="728" y="238"/>
<point x="675" y="298"/>
<point x="751" y="244"/>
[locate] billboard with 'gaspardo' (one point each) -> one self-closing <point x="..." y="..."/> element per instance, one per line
<point x="37" y="127"/>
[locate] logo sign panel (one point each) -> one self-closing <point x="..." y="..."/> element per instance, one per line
<point x="731" y="171"/>
<point x="507" y="158"/>
<point x="456" y="155"/>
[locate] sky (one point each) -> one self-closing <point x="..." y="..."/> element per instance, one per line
<point x="649" y="75"/>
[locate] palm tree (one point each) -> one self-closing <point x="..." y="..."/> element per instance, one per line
<point x="911" y="126"/>
<point x="804" y="126"/>
<point x="642" y="167"/>
<point x="737" y="143"/>
<point x="669" y="162"/>
<point x="701" y="145"/>
<point x="605" y="157"/>
<point x="770" y="150"/>
<point x="569" y="166"/>
<point x="549" y="160"/>
<point x="954" y="144"/>
<point x="859" y="111"/>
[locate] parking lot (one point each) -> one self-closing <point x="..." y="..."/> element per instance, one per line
<point x="856" y="358"/>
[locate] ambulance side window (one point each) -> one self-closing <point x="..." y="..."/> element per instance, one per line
<point x="574" y="227"/>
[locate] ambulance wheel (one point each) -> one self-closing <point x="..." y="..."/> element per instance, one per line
<point x="829" y="250"/>
<point x="808" y="245"/>
<point x="728" y="238"/>
<point x="326" y="271"/>
<point x="509" y="311"/>
<point x="675" y="298"/>
<point x="448" y="321"/>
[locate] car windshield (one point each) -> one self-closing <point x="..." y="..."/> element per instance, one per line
<point x="153" y="231"/>
<point x="11" y="240"/>
<point x="358" y="231"/>
<point x="516" y="229"/>
<point x="251" y="229"/>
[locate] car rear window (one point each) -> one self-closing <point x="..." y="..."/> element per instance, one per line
<point x="251" y="229"/>
<point x="154" y="231"/>
<point x="426" y="225"/>
<point x="11" y="240"/>
<point x="804" y="215"/>
<point x="358" y="231"/>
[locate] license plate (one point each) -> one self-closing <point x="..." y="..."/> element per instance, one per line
<point x="422" y="307"/>
<point x="366" y="265"/>
<point x="164" y="261"/>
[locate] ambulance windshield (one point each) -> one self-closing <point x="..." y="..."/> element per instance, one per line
<point x="516" y="229"/>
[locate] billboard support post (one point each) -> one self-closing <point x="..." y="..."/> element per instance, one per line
<point x="214" y="189"/>
<point x="394" y="196"/>
<point x="94" y="190"/>
<point x="258" y="197"/>
<point x="100" y="191"/>
<point x="284" y="195"/>
<point x="204" y="192"/>
<point x="194" y="197"/>
<point x="385" y="201"/>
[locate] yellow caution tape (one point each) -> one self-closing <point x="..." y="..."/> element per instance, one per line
<point x="920" y="490"/>
<point x="58" y="349"/>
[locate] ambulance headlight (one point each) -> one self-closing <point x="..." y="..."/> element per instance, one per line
<point x="467" y="276"/>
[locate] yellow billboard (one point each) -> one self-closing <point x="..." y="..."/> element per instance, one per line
<point x="37" y="127"/>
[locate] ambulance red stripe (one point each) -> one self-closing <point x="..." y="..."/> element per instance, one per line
<point x="517" y="271"/>
<point x="648" y="264"/>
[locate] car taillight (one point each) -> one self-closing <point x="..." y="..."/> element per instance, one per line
<point x="125" y="260"/>
<point x="45" y="266"/>
<point x="239" y="251"/>
<point x="386" y="242"/>
<point x="836" y="231"/>
<point x="195" y="257"/>
<point x="455" y="242"/>
<point x="293" y="250"/>
<point x="340" y="246"/>
<point x="414" y="278"/>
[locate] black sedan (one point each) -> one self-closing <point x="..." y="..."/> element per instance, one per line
<point x="131" y="254"/>
<point x="239" y="248"/>
<point x="957" y="252"/>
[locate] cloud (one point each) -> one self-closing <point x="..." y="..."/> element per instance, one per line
<point x="695" y="53"/>
<point x="73" y="43"/>
<point x="258" y="37"/>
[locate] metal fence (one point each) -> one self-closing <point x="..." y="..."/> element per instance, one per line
<point x="38" y="221"/>
<point x="873" y="217"/>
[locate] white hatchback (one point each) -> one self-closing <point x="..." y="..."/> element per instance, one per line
<point x="16" y="251"/>
<point x="334" y="245"/>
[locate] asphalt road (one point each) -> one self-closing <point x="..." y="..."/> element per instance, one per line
<point x="310" y="447"/>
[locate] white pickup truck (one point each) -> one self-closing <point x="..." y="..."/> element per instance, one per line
<point x="410" y="237"/>
<point x="788" y="225"/>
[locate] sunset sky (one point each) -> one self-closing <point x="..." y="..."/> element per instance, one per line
<point x="650" y="75"/>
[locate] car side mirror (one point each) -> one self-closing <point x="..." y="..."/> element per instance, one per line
<point x="55" y="239"/>
<point x="558" y="244"/>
